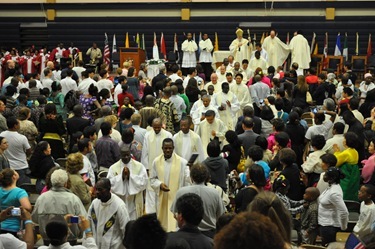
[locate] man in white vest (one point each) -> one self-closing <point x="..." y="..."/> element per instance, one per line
<point x="150" y="150"/>
<point x="128" y="180"/>
<point x="168" y="174"/>
<point x="300" y="49"/>
<point x="187" y="142"/>
<point x="227" y="104"/>
<point x="189" y="58"/>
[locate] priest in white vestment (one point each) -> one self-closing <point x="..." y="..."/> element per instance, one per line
<point x="221" y="74"/>
<point x="169" y="172"/>
<point x="128" y="180"/>
<point x="239" y="47"/>
<point x="236" y="70"/>
<point x="189" y="47"/>
<point x="242" y="93"/>
<point x="211" y="128"/>
<point x="108" y="216"/>
<point x="228" y="106"/>
<point x="248" y="72"/>
<point x="258" y="61"/>
<point x="187" y="142"/>
<point x="150" y="150"/>
<point x="214" y="82"/>
<point x="263" y="52"/>
<point x="277" y="50"/>
<point x="199" y="114"/>
<point x="300" y="49"/>
<point x="205" y="57"/>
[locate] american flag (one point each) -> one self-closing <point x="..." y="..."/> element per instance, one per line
<point x="106" y="50"/>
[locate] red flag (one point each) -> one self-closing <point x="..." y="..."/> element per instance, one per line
<point x="163" y="50"/>
<point x="369" y="46"/>
<point x="106" y="50"/>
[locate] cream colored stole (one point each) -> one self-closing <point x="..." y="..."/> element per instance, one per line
<point x="193" y="142"/>
<point x="165" y="199"/>
<point x="138" y="198"/>
<point x="154" y="147"/>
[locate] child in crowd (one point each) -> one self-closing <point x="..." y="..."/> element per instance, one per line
<point x="312" y="164"/>
<point x="328" y="160"/>
<point x="309" y="218"/>
<point x="280" y="187"/>
<point x="367" y="216"/>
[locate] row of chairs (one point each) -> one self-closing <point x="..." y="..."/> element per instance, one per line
<point x="360" y="64"/>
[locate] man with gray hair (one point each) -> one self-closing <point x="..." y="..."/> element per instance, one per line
<point x="104" y="112"/>
<point x="58" y="201"/>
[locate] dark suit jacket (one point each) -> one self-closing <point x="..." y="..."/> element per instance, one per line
<point x="257" y="125"/>
<point x="192" y="236"/>
<point x="248" y="139"/>
<point x="75" y="124"/>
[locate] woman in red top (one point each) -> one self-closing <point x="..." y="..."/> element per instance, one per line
<point x="264" y="79"/>
<point x="124" y="94"/>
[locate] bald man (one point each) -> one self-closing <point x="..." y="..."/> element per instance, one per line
<point x="214" y="82"/>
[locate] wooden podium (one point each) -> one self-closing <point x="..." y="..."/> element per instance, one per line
<point x="136" y="54"/>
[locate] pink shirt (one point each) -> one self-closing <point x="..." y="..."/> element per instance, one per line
<point x="265" y="80"/>
<point x="368" y="168"/>
<point x="272" y="141"/>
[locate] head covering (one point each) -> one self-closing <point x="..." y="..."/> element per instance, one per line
<point x="239" y="32"/>
<point x="368" y="75"/>
<point x="331" y="76"/>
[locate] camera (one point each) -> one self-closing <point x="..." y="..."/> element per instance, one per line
<point x="74" y="219"/>
<point x="15" y="212"/>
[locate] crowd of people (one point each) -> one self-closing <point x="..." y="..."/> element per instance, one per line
<point x="191" y="158"/>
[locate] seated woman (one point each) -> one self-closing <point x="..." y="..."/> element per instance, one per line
<point x="40" y="163"/>
<point x="347" y="161"/>
<point x="52" y="128"/>
<point x="11" y="195"/>
<point x="78" y="187"/>
<point x="255" y="175"/>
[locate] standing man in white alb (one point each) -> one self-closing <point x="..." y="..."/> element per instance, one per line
<point x="68" y="83"/>
<point x="188" y="47"/>
<point x="205" y="57"/>
<point x="239" y="47"/>
<point x="277" y="50"/>
<point x="300" y="49"/>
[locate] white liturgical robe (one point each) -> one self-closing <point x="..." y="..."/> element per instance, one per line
<point x="242" y="93"/>
<point x="129" y="190"/>
<point x="205" y="132"/>
<point x="300" y="51"/>
<point x="277" y="50"/>
<point x="240" y="49"/>
<point x="189" y="58"/>
<point x="206" y="48"/>
<point x="174" y="173"/>
<point x="228" y="115"/>
<point x="188" y="144"/>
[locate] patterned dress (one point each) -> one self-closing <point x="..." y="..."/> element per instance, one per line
<point x="88" y="106"/>
<point x="169" y="110"/>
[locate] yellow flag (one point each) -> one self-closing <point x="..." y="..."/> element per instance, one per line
<point x="216" y="43"/>
<point x="262" y="39"/>
<point x="127" y="40"/>
<point x="137" y="41"/>
<point x="316" y="48"/>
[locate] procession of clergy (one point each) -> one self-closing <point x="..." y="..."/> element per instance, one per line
<point x="173" y="131"/>
<point x="213" y="115"/>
